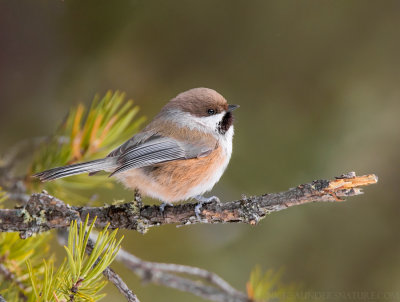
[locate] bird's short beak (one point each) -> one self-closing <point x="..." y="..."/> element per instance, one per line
<point x="232" y="107"/>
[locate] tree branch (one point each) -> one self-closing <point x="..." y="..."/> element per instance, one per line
<point x="44" y="212"/>
<point x="165" y="274"/>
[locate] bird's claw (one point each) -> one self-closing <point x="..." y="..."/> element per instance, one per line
<point x="203" y="200"/>
<point x="163" y="205"/>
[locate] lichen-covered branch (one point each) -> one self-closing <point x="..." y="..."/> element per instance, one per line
<point x="44" y="212"/>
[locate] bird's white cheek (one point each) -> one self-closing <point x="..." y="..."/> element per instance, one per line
<point x="210" y="122"/>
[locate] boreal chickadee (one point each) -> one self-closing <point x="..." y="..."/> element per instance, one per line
<point x="180" y="154"/>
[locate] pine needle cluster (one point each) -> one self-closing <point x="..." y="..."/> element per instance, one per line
<point x="86" y="134"/>
<point x="80" y="277"/>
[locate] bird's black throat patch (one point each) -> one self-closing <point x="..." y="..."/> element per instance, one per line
<point x="225" y="123"/>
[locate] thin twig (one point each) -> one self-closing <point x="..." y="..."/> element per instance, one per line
<point x="44" y="212"/>
<point x="114" y="278"/>
<point x="213" y="278"/>
<point x="165" y="274"/>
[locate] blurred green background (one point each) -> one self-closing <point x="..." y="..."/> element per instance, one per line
<point x="318" y="84"/>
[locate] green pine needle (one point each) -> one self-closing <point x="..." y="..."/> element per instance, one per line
<point x="14" y="252"/>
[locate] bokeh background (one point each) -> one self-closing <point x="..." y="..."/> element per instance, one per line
<point x="319" y="87"/>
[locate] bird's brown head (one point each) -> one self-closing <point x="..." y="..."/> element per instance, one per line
<point x="206" y="106"/>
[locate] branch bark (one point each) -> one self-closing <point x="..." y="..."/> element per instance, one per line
<point x="44" y="212"/>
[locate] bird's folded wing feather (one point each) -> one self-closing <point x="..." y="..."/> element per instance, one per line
<point x="154" y="150"/>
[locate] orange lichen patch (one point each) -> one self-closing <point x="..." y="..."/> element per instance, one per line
<point x="58" y="221"/>
<point x="223" y="216"/>
<point x="337" y="198"/>
<point x="350" y="183"/>
<point x="253" y="222"/>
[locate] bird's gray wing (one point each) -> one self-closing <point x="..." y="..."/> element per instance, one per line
<point x="157" y="149"/>
<point x="132" y="142"/>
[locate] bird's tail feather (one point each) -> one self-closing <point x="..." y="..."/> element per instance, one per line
<point x="107" y="163"/>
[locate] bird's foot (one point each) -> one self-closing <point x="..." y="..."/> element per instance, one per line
<point x="203" y="200"/>
<point x="137" y="196"/>
<point x="163" y="205"/>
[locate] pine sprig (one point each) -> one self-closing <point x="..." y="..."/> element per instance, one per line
<point x="268" y="287"/>
<point x="86" y="134"/>
<point x="14" y="252"/>
<point x="80" y="277"/>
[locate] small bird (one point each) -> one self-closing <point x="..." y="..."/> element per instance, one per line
<point x="180" y="154"/>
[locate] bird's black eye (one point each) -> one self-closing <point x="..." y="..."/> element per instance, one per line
<point x="211" y="111"/>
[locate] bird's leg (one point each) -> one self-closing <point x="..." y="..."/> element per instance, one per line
<point x="163" y="205"/>
<point x="202" y="200"/>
